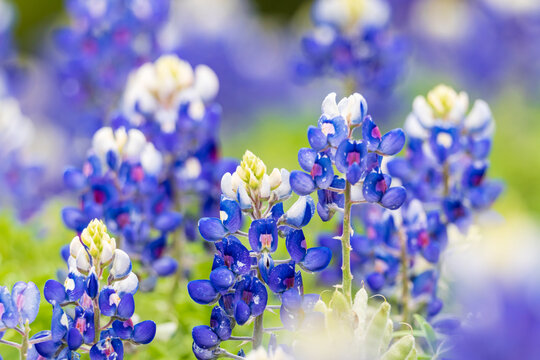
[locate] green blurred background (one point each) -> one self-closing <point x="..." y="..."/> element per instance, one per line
<point x="30" y="252"/>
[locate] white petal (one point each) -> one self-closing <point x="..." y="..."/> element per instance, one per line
<point x="423" y="112"/>
<point x="284" y="189"/>
<point x="129" y="285"/>
<point x="206" y="83"/>
<point x="103" y="141"/>
<point x="413" y="128"/>
<point x="121" y="265"/>
<point x="83" y="261"/>
<point x="329" y="107"/>
<point x="265" y="187"/>
<point x="134" y="144"/>
<point x="151" y="160"/>
<point x="226" y="186"/>
<point x="479" y="116"/>
<point x="75" y="246"/>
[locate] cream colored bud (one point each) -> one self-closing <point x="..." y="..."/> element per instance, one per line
<point x="275" y="179"/>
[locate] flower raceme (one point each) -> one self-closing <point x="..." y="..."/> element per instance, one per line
<point x="359" y="161"/>
<point x="156" y="169"/>
<point x="88" y="314"/>
<point x="241" y="279"/>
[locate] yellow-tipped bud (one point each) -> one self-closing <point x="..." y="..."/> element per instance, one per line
<point x="251" y="170"/>
<point x="441" y="100"/>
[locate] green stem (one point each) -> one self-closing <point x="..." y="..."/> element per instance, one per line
<point x="404" y="275"/>
<point x="258" y="328"/>
<point x="25" y="342"/>
<point x="346" y="245"/>
<point x="97" y="313"/>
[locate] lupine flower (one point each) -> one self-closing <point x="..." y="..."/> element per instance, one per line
<point x="448" y="150"/>
<point x="352" y="40"/>
<point x="94" y="53"/>
<point x="90" y="255"/>
<point x="162" y="148"/>
<point x="240" y="280"/>
<point x="359" y="160"/>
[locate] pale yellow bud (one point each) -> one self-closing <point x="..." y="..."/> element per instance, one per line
<point x="441" y="100"/>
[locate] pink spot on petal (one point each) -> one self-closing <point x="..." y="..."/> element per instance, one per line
<point x="381" y="186"/>
<point x="353" y="158"/>
<point x="376" y="133"/>
<point x="289" y="282"/>
<point x="423" y="239"/>
<point x="303" y="244"/>
<point x="137" y="173"/>
<point x="316" y="170"/>
<point x="266" y="240"/>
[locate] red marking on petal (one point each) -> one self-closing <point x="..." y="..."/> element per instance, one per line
<point x="381" y="186"/>
<point x="137" y="173"/>
<point x="316" y="170"/>
<point x="122" y="219"/>
<point x="303" y="244"/>
<point x="423" y="239"/>
<point x="376" y="133"/>
<point x="289" y="282"/>
<point x="99" y="196"/>
<point x="247" y="296"/>
<point x="353" y="158"/>
<point x="266" y="240"/>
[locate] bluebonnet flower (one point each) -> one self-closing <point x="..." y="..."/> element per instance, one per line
<point x="446" y="160"/>
<point x="352" y="40"/>
<point x="158" y="168"/>
<point x="237" y="46"/>
<point x="94" y="53"/>
<point x="80" y="304"/>
<point x="360" y="161"/>
<point x="19" y="168"/>
<point x="460" y="38"/>
<point x="241" y="279"/>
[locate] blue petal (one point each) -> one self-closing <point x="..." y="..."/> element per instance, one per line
<point x="296" y="245"/>
<point x="301" y="212"/>
<point x="54" y="292"/>
<point x="371" y="134"/>
<point x="74" y="339"/>
<point x="165" y="266"/>
<point x="302" y="183"/>
<point x="202" y="292"/>
<point x="317" y="140"/>
<point x="92" y="285"/>
<point x="306" y="158"/>
<point x="74" y="179"/>
<point x="26" y="298"/>
<point x="221" y="323"/>
<point x="123" y="329"/>
<point x="168" y="221"/>
<point x="392" y="142"/>
<point x="234" y="214"/>
<point x="144" y="332"/>
<point x="10" y="316"/>
<point x="222" y="278"/>
<point x="126" y="307"/>
<point x="374" y="187"/>
<point x="394" y="198"/>
<point x="106" y="305"/>
<point x="354" y="173"/>
<point x="375" y="281"/>
<point x="74" y="219"/>
<point x="263" y="234"/>
<point x="317" y="259"/>
<point x="212" y="229"/>
<point x="281" y="277"/>
<point x="291" y="300"/>
<point x="205" y="337"/>
<point x="242" y="312"/>
<point x="202" y="354"/>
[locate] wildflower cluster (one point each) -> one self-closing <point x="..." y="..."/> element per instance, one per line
<point x="352" y="40"/>
<point x="158" y="168"/>
<point x="102" y="43"/>
<point x="358" y="177"/>
<point x="444" y="172"/>
<point x="240" y="279"/>
<point x="90" y="314"/>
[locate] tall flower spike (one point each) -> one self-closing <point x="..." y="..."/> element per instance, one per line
<point x="241" y="281"/>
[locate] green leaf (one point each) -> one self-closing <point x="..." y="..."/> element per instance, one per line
<point x="375" y="331"/>
<point x="428" y="331"/>
<point x="401" y="349"/>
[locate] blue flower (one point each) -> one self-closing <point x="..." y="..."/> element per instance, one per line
<point x="320" y="171"/>
<point x="250" y="297"/>
<point x="263" y="235"/>
<point x="376" y="188"/>
<point x="314" y="259"/>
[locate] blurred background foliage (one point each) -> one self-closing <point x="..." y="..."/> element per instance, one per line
<point x="275" y="137"/>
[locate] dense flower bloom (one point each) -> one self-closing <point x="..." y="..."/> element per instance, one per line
<point x="352" y="40"/>
<point x="240" y="280"/>
<point x="91" y="254"/>
<point x="332" y="143"/>
<point x="157" y="168"/>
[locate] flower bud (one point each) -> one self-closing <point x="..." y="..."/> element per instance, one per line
<point x="274" y="179"/>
